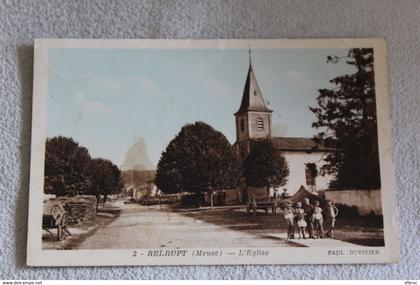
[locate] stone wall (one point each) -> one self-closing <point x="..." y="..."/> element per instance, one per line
<point x="366" y="201"/>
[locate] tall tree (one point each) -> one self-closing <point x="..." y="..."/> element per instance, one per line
<point x="346" y="117"/>
<point x="197" y="160"/>
<point x="66" y="167"/>
<point x="105" y="177"/>
<point x="265" y="166"/>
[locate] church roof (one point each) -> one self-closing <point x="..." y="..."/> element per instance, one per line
<point x="299" y="144"/>
<point x="252" y="99"/>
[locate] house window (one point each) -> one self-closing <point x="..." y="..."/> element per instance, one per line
<point x="255" y="92"/>
<point x="242" y="123"/>
<point x="260" y="124"/>
<point x="310" y="173"/>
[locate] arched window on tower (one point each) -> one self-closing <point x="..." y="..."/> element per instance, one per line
<point x="242" y="123"/>
<point x="260" y="124"/>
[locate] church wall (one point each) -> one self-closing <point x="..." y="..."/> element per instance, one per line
<point x="296" y="161"/>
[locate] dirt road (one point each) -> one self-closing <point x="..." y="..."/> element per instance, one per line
<point x="157" y="226"/>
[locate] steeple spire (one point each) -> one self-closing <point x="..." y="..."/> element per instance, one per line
<point x="252" y="99"/>
<point x="250" y="58"/>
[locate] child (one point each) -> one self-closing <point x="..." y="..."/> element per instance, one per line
<point x="331" y="212"/>
<point x="318" y="220"/>
<point x="300" y="219"/>
<point x="309" y="211"/>
<point x="289" y="216"/>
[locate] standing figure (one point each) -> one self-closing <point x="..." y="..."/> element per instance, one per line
<point x="331" y="213"/>
<point x="309" y="211"/>
<point x="254" y="207"/>
<point x="318" y="220"/>
<point x="289" y="215"/>
<point x="300" y="220"/>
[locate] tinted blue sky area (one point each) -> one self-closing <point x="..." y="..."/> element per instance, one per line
<point x="107" y="98"/>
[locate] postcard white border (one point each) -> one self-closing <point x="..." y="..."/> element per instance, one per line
<point x="36" y="256"/>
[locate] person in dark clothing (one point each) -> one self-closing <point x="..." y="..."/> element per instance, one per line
<point x="308" y="210"/>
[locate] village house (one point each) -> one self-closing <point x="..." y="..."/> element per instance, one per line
<point x="139" y="184"/>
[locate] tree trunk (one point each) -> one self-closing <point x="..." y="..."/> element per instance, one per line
<point x="105" y="197"/>
<point x="199" y="199"/>
<point x="97" y="201"/>
<point x="211" y="200"/>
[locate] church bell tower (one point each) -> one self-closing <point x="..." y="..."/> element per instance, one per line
<point x="253" y="119"/>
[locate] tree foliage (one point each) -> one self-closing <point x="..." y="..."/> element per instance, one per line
<point x="66" y="167"/>
<point x="346" y="117"/>
<point x="69" y="170"/>
<point x="198" y="159"/>
<point x="105" y="177"/>
<point x="265" y="166"/>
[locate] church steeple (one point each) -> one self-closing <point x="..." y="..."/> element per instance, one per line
<point x="252" y="99"/>
<point x="253" y="119"/>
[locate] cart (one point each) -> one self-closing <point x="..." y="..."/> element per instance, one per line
<point x="55" y="217"/>
<point x="263" y="204"/>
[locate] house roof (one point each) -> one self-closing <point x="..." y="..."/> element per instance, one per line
<point x="252" y="99"/>
<point x="299" y="144"/>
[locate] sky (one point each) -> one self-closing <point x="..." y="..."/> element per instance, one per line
<point x="108" y="99"/>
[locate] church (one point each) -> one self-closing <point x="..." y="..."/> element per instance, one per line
<point x="304" y="157"/>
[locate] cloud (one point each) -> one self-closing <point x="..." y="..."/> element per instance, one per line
<point x="90" y="105"/>
<point x="137" y="157"/>
<point x="140" y="85"/>
<point x="215" y="87"/>
<point x="105" y="86"/>
<point x="279" y="130"/>
<point x="299" y="78"/>
<point x="295" y="75"/>
<point x="292" y="79"/>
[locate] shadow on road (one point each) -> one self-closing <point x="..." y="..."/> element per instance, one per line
<point x="236" y="218"/>
<point x="354" y="230"/>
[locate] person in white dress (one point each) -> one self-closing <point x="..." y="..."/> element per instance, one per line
<point x="300" y="220"/>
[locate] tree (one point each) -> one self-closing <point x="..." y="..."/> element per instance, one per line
<point x="265" y="166"/>
<point x="346" y="117"/>
<point x="197" y="160"/>
<point x="105" y="177"/>
<point x="66" y="167"/>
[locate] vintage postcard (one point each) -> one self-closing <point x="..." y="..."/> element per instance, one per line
<point x="172" y="152"/>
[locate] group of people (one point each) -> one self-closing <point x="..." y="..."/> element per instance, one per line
<point x="307" y="217"/>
